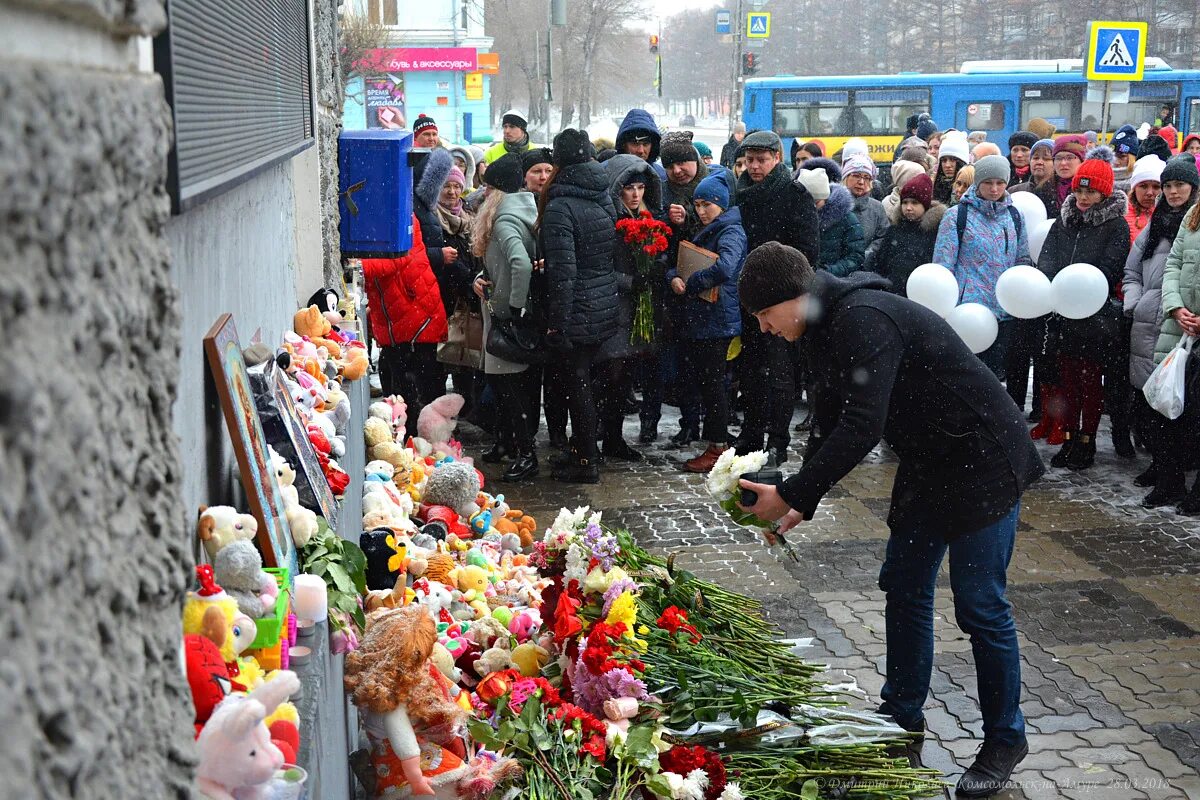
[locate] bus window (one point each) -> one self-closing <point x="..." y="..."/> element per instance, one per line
<point x="882" y="112"/>
<point x="1055" y="104"/>
<point x="1194" y="116"/>
<point x="1145" y="100"/>
<point x="807" y="114"/>
<point x="985" y="116"/>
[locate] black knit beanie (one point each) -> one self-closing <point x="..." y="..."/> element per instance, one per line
<point x="538" y="155"/>
<point x="773" y="273"/>
<point x="506" y="173"/>
<point x="572" y="147"/>
<point x="676" y="147"/>
<point x="1181" y="168"/>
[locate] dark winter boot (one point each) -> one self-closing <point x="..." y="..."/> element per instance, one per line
<point x="558" y="440"/>
<point x="1190" y="505"/>
<point x="1063" y="456"/>
<point x="1148" y="478"/>
<point x="747" y="443"/>
<point x="498" y="452"/>
<point x="1122" y="443"/>
<point x="618" y="449"/>
<point x="577" y="470"/>
<point x="649" y="431"/>
<point x="525" y="467"/>
<point x="1169" y="489"/>
<point x="1083" y="453"/>
<point x="991" y="770"/>
<point x="566" y="455"/>
<point x="685" y="437"/>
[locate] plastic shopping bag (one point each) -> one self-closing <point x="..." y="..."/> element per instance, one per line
<point x="1166" y="388"/>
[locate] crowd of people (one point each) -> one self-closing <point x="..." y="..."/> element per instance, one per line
<point x="527" y="236"/>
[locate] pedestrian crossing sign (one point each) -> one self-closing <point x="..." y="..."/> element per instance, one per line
<point x="758" y="25"/>
<point x="1116" y="50"/>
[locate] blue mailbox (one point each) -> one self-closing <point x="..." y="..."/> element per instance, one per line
<point x="375" y="184"/>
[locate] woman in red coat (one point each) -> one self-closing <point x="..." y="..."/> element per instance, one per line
<point x="408" y="320"/>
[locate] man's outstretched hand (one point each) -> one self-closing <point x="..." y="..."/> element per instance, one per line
<point x="771" y="506"/>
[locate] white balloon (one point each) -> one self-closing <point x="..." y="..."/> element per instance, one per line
<point x="1024" y="292"/>
<point x="975" y="324"/>
<point x="1037" y="237"/>
<point x="1030" y="206"/>
<point x="1079" y="291"/>
<point x="934" y="287"/>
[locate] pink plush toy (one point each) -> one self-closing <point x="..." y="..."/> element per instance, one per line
<point x="237" y="758"/>
<point x="438" y="419"/>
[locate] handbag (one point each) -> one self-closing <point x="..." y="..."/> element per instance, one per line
<point x="1166" y="388"/>
<point x="464" y="339"/>
<point x="519" y="340"/>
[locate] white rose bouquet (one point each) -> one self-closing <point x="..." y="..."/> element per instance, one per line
<point x="722" y="485"/>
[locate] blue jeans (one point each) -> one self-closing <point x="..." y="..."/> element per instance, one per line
<point x="978" y="563"/>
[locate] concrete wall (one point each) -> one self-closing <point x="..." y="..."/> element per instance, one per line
<point x="94" y="542"/>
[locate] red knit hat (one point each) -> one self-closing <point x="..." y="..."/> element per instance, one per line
<point x="1094" y="174"/>
<point x="920" y="189"/>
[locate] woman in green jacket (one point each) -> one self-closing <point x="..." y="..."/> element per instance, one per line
<point x="1171" y="440"/>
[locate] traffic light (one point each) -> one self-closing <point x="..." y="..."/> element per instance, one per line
<point x="653" y="44"/>
<point x="749" y="63"/>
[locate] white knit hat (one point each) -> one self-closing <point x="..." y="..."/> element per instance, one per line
<point x="855" y="146"/>
<point x="1146" y="168"/>
<point x="816" y="181"/>
<point x="955" y="145"/>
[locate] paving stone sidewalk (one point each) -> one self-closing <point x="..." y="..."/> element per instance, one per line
<point x="1106" y="596"/>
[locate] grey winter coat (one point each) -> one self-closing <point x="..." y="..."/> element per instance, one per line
<point x="873" y="220"/>
<point x="578" y="233"/>
<point x="508" y="262"/>
<point x="1143" y="302"/>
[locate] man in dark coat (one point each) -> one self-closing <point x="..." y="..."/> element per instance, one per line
<point x="774" y="209"/>
<point x="893" y="370"/>
<point x="729" y="150"/>
<point x="639" y="136"/>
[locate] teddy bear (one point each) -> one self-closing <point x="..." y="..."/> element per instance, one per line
<point x="301" y="521"/>
<point x="311" y="323"/>
<point x="529" y="658"/>
<point x="472" y="581"/>
<point x="381" y="511"/>
<point x="337" y="407"/>
<point x="437" y="420"/>
<point x="238" y="568"/>
<point x="237" y="758"/>
<point x="354" y="362"/>
<point x="376" y="432"/>
<point x="517" y="522"/>
<point x="219" y="526"/>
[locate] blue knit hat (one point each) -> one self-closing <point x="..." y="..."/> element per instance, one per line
<point x="926" y="128"/>
<point x="1046" y="143"/>
<point x="704" y="150"/>
<point x="714" y="189"/>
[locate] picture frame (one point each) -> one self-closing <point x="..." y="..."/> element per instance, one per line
<point x="286" y="432"/>
<point x="228" y="367"/>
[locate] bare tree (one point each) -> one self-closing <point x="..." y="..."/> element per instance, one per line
<point x="357" y="36"/>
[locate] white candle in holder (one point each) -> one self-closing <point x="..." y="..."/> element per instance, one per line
<point x="310" y="598"/>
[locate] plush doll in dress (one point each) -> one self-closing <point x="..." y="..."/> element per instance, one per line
<point x="237" y="758"/>
<point x="407" y="712"/>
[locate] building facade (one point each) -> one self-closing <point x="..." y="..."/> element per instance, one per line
<point x="434" y="60"/>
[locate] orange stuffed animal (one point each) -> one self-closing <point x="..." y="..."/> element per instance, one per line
<point x="518" y="522"/>
<point x="311" y="322"/>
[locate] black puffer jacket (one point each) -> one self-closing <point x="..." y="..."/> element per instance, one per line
<point x="578" y="233"/>
<point x="893" y="370"/>
<point x="1100" y="237"/>
<point x="779" y="210"/>
<point x="906" y="246"/>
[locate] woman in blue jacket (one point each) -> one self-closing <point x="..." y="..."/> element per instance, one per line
<point x="709" y="324"/>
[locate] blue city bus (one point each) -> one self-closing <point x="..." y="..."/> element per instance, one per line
<point x="997" y="97"/>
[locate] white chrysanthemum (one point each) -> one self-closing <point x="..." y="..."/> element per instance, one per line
<point x="722" y="481"/>
<point x="693" y="786"/>
<point x="577" y="562"/>
<point x="699" y="777"/>
<point x="732" y="792"/>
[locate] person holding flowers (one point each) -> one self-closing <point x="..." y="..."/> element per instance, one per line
<point x="637" y="197"/>
<point x="893" y="370"/>
<point x="710" y="316"/>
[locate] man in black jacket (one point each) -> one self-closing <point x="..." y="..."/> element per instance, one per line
<point x="774" y="209"/>
<point x="887" y="368"/>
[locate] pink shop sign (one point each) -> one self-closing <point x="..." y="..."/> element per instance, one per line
<point x="420" y="59"/>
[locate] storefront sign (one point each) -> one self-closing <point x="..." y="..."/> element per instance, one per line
<point x="474" y="85"/>
<point x="421" y="59"/>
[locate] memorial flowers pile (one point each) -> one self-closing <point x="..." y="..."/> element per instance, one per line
<point x="665" y="686"/>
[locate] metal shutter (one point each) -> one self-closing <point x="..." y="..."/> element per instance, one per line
<point x="237" y="75"/>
